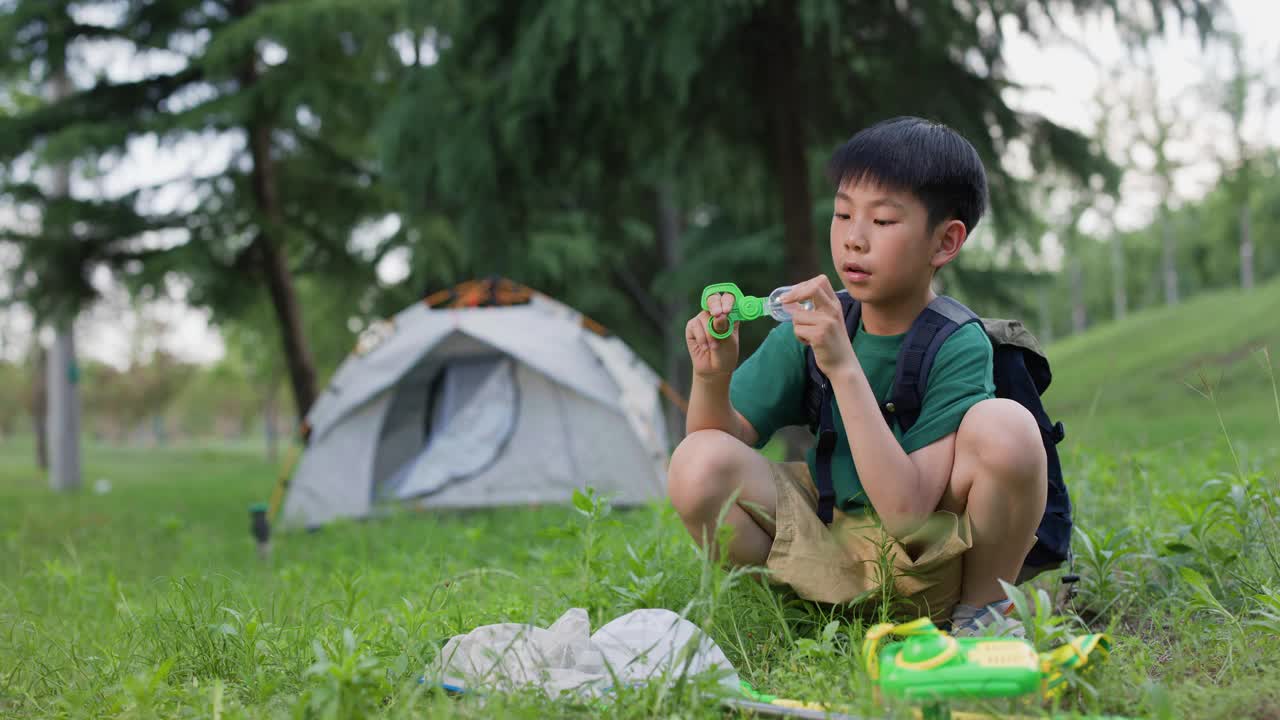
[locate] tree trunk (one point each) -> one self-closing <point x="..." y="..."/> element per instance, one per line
<point x="64" y="412"/>
<point x="270" y="255"/>
<point x="1119" y="287"/>
<point x="675" y="352"/>
<point x="284" y="299"/>
<point x="1046" y="315"/>
<point x="63" y="375"/>
<point x="1246" y="248"/>
<point x="783" y="100"/>
<point x="1079" y="314"/>
<point x="158" y="430"/>
<point x="1170" y="261"/>
<point x="269" y="413"/>
<point x="40" y="403"/>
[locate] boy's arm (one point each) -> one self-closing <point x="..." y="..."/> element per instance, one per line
<point x="904" y="489"/>
<point x="710" y="409"/>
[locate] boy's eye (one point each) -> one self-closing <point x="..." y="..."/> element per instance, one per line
<point x="883" y="223"/>
<point x="842" y="216"/>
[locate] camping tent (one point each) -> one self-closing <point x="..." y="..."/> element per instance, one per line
<point x="492" y="394"/>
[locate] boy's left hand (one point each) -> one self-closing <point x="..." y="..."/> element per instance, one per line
<point x="821" y="328"/>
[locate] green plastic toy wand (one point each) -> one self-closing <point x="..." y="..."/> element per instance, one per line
<point x="747" y="307"/>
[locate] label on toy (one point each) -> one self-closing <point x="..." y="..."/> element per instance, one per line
<point x="1003" y="655"/>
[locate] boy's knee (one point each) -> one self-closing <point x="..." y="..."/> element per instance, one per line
<point x="1004" y="440"/>
<point x="701" y="472"/>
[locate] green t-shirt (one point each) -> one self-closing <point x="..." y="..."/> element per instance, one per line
<point x="768" y="389"/>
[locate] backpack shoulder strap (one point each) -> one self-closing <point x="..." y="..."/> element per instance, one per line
<point x="818" y="408"/>
<point x="932" y="327"/>
<point x="852" y="310"/>
<point x="815" y="381"/>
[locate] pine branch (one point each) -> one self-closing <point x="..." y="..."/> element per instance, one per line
<point x="647" y="303"/>
<point x="131" y="105"/>
<point x="333" y="155"/>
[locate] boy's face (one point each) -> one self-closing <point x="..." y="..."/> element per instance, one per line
<point x="883" y="247"/>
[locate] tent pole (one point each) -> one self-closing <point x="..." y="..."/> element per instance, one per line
<point x="674" y="396"/>
<point x="282" y="482"/>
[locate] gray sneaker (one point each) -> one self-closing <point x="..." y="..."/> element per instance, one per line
<point x="994" y="620"/>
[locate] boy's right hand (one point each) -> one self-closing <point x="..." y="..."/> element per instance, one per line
<point x="711" y="357"/>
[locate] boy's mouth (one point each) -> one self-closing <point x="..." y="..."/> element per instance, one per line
<point x="854" y="272"/>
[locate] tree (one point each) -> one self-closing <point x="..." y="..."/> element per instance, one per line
<point x="542" y="122"/>
<point x="37" y="403"/>
<point x="1069" y="201"/>
<point x="1212" y="247"/>
<point x="23" y="386"/>
<point x="57" y="405"/>
<point x="1073" y="240"/>
<point x="219" y="400"/>
<point x="1158" y="128"/>
<point x="1105" y="201"/>
<point x="12" y="385"/>
<point x="285" y="202"/>
<point x="1239" y="163"/>
<point x="247" y="339"/>
<point x="120" y="402"/>
<point x="1119" y="284"/>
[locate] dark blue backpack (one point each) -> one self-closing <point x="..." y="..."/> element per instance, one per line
<point x="1021" y="373"/>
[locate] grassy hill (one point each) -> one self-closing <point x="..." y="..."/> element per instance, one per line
<point x="1127" y="384"/>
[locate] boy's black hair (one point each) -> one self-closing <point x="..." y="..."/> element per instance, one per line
<point x="925" y="158"/>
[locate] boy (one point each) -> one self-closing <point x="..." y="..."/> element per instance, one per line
<point x="955" y="500"/>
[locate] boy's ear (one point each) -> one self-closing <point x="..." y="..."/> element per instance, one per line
<point x="950" y="237"/>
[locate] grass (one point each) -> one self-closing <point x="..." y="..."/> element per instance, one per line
<point x="1133" y="382"/>
<point x="148" y="600"/>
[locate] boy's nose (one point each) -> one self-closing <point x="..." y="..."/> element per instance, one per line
<point x="854" y="240"/>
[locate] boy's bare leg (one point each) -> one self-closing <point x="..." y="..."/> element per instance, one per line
<point x="706" y="469"/>
<point x="1000" y="477"/>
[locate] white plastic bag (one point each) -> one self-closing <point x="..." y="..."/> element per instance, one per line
<point x="642" y="646"/>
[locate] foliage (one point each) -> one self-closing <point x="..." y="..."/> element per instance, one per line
<point x="13" y="391"/>
<point x="127" y="397"/>
<point x="536" y="140"/>
<point x="546" y="130"/>
<point x="1208" y="239"/>
<point x="286" y="201"/>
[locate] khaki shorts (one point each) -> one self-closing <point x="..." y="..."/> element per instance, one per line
<point x="848" y="561"/>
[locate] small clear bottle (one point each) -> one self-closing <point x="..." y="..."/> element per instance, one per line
<point x="774" y="306"/>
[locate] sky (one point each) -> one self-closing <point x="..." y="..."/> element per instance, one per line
<point x="1057" y="79"/>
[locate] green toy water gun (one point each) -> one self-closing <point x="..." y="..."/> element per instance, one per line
<point x="748" y="307"/>
<point x="931" y="665"/>
<point x="933" y="668"/>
